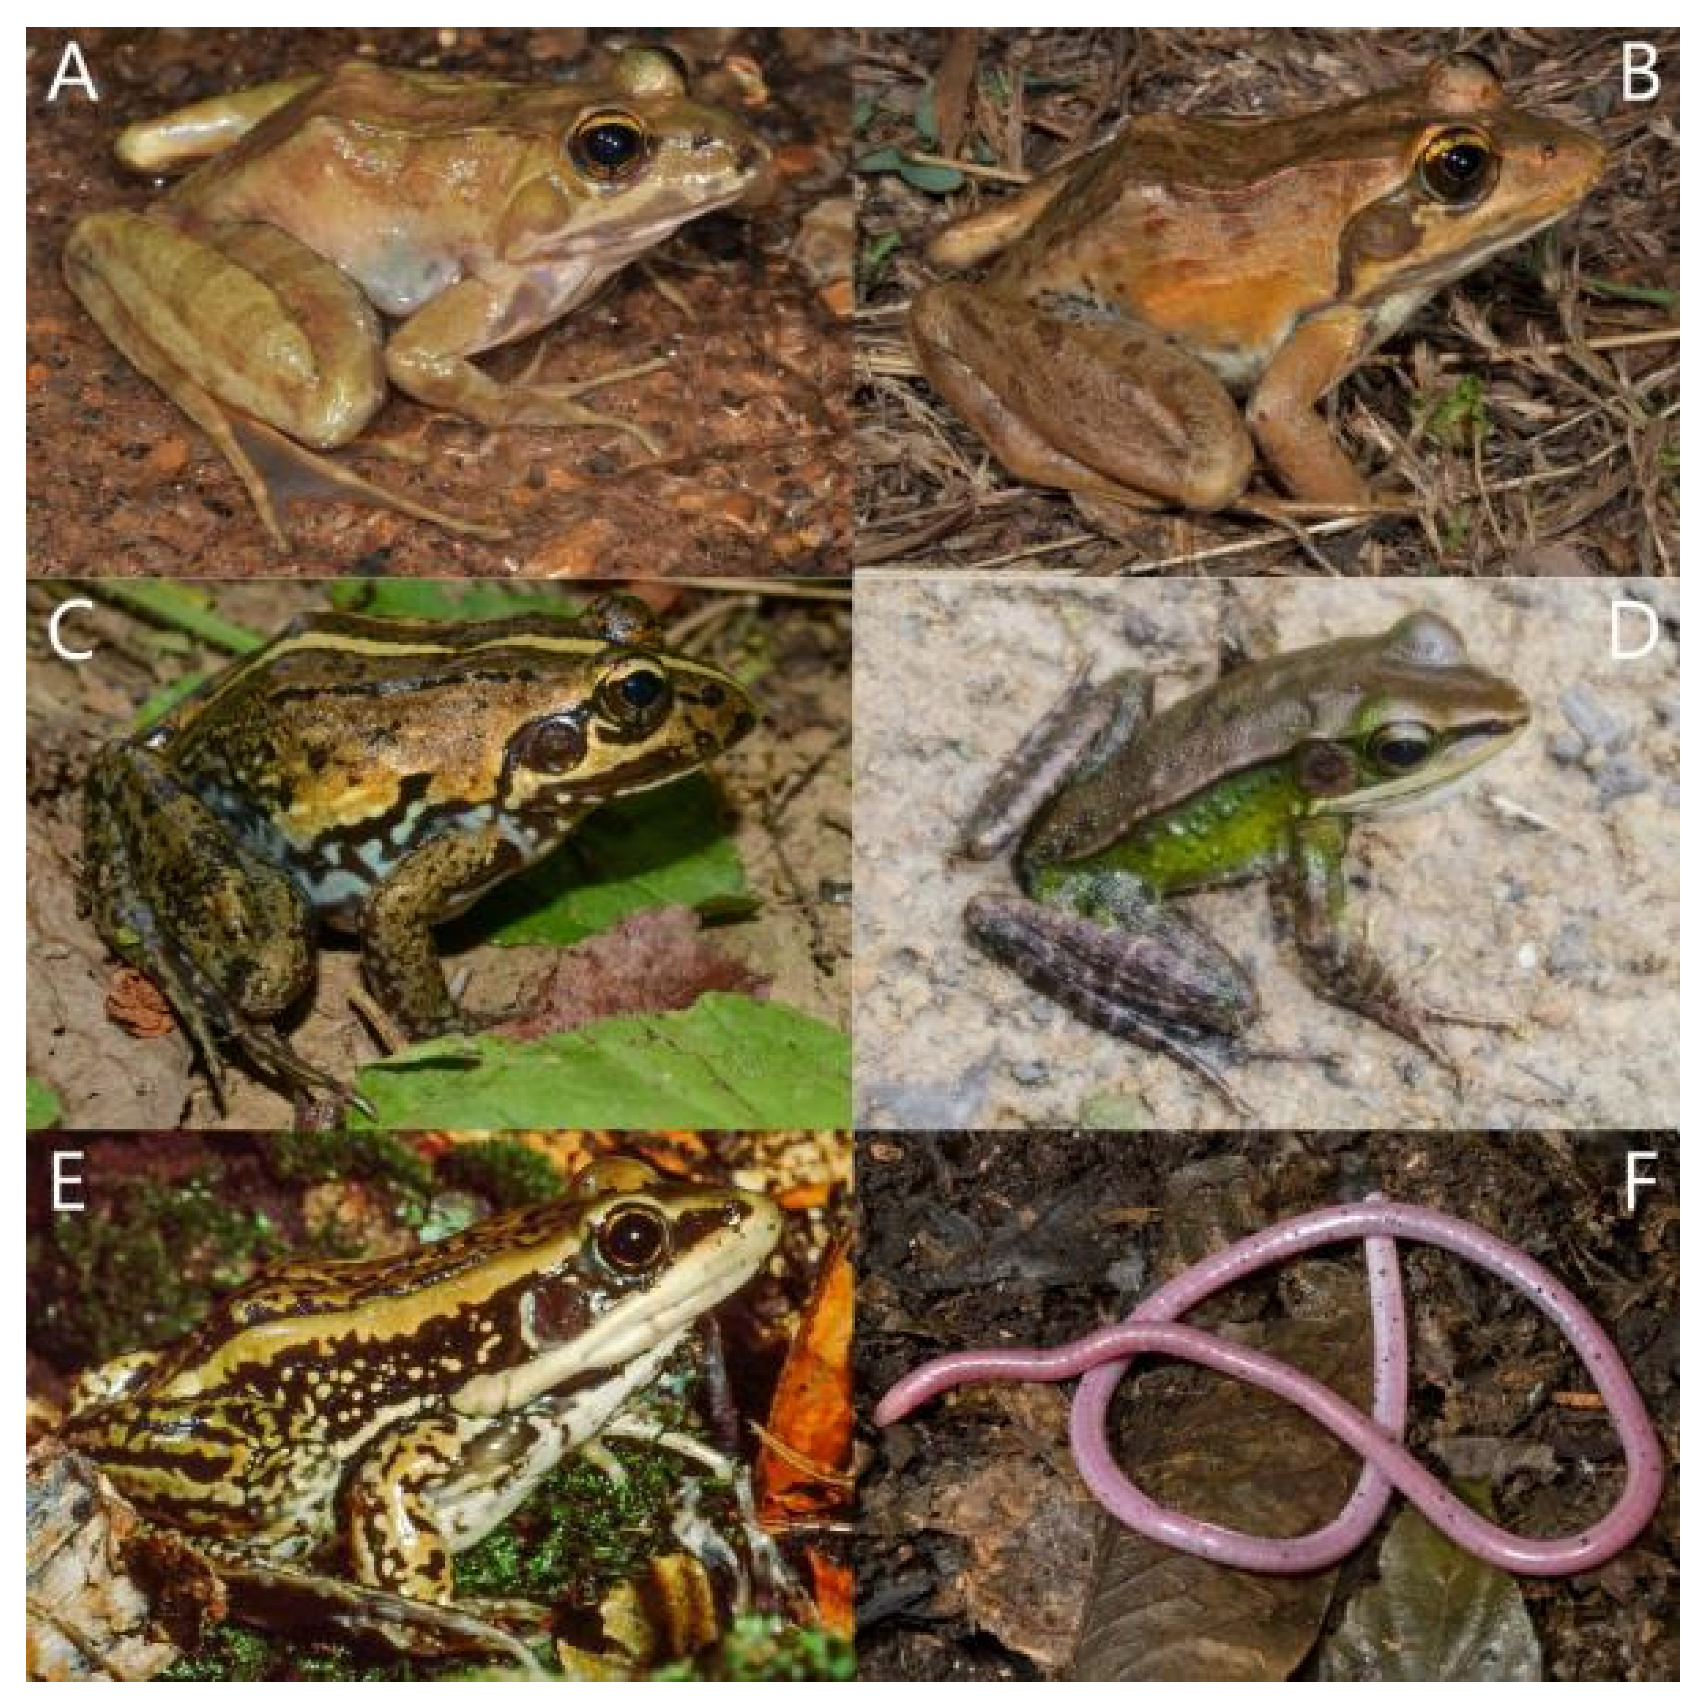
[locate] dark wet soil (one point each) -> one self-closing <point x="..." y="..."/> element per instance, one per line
<point x="751" y="410"/>
<point x="976" y="1239"/>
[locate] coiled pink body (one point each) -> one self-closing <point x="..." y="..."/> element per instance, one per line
<point x="1103" y="1357"/>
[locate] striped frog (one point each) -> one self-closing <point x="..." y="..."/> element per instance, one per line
<point x="377" y="1417"/>
<point x="378" y="776"/>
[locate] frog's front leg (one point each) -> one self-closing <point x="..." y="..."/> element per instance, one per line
<point x="1124" y="963"/>
<point x="433" y="882"/>
<point x="227" y="937"/>
<point x="1088" y="402"/>
<point x="391" y="1519"/>
<point x="1297" y="443"/>
<point x="428" y="357"/>
<point x="1341" y="964"/>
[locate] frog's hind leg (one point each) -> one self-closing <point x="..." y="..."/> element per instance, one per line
<point x="258" y="339"/>
<point x="1155" y="980"/>
<point x="1072" y="735"/>
<point x="1100" y="407"/>
<point x="237" y="947"/>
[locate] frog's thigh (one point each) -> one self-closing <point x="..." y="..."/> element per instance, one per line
<point x="242" y="312"/>
<point x="1103" y="407"/>
<point x="398" y="954"/>
<point x="391" y="1519"/>
<point x="1298" y="445"/>
<point x="1074" y="736"/>
<point x="227" y="936"/>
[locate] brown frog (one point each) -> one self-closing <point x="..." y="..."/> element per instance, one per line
<point x="471" y="212"/>
<point x="1135" y="291"/>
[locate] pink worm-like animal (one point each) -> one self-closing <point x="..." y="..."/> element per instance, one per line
<point x="1103" y="1357"/>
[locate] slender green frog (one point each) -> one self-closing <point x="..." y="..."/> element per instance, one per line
<point x="1260" y="775"/>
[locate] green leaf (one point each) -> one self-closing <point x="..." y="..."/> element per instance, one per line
<point x="663" y="848"/>
<point x="933" y="180"/>
<point x="925" y="115"/>
<point x="1436" y="1613"/>
<point x="728" y="1061"/>
<point x="445" y="601"/>
<point x="875" y="258"/>
<point x="42" y="1107"/>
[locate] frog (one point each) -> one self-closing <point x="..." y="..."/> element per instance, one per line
<point x="377" y="776"/>
<point x="1138" y="294"/>
<point x="367" y="1420"/>
<point x="470" y="211"/>
<point x="1114" y="811"/>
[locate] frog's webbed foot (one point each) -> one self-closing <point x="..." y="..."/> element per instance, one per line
<point x="552" y="403"/>
<point x="1119" y="519"/>
<point x="275" y="470"/>
<point x="1151" y="990"/>
<point x="1346" y="971"/>
<point x="280" y="1598"/>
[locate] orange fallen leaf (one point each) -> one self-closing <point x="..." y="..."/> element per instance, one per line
<point x="802" y="1468"/>
<point x="832" y="1593"/>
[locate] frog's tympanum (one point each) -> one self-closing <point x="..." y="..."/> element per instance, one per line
<point x="1259" y="775"/>
<point x="377" y="775"/>
<point x="374" y="1418"/>
<point x="471" y="212"/>
<point x="1134" y="291"/>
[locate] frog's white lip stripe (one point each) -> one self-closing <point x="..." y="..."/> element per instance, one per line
<point x="1429" y="788"/>
<point x="713" y="1269"/>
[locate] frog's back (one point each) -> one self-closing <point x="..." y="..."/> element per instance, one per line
<point x="1254" y="716"/>
<point x="396" y="177"/>
<point x="1220" y="233"/>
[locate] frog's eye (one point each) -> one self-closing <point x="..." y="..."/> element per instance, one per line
<point x="551" y="745"/>
<point x="1458" y="166"/>
<point x="632" y="1238"/>
<point x="635" y="695"/>
<point x="608" y="146"/>
<point x="1397" y="748"/>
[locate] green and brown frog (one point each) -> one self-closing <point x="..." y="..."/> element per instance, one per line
<point x="1261" y="775"/>
<point x="378" y="776"/>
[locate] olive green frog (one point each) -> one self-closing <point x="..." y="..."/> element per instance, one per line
<point x="471" y="212"/>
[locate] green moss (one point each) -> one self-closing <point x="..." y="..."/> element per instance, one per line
<point x="757" y="1648"/>
<point x="502" y="1171"/>
<point x="308" y="1159"/>
<point x="580" y="1532"/>
<point x="140" y="1271"/>
<point x="228" y="1652"/>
